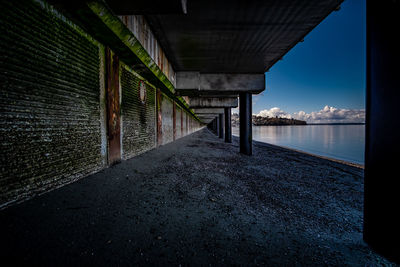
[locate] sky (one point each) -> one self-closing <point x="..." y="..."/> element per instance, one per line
<point x="323" y="78"/>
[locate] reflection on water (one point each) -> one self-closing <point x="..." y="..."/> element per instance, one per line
<point x="344" y="142"/>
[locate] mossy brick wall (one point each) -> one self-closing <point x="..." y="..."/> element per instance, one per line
<point x="167" y="120"/>
<point x="184" y="123"/>
<point x="178" y="123"/>
<point x="49" y="101"/>
<point x="138" y="118"/>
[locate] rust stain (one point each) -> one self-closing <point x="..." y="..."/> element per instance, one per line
<point x="159" y="117"/>
<point x="113" y="108"/>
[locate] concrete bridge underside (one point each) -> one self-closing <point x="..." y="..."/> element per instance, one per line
<point x="208" y="52"/>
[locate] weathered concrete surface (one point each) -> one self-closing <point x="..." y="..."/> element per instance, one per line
<point x="197" y="201"/>
<point x="206" y="119"/>
<point x="220" y="82"/>
<point x="213" y="111"/>
<point x="213" y="102"/>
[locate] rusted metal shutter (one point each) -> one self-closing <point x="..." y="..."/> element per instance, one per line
<point x="49" y="101"/>
<point x="138" y="115"/>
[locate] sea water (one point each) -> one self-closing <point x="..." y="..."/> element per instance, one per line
<point x="343" y="142"/>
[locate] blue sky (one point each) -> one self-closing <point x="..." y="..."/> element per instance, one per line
<point x="327" y="69"/>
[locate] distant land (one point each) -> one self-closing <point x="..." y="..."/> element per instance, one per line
<point x="338" y="123"/>
<point x="268" y="121"/>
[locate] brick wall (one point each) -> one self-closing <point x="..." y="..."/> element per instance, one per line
<point x="178" y="123"/>
<point x="138" y="117"/>
<point x="167" y="120"/>
<point x="53" y="125"/>
<point x="50" y="123"/>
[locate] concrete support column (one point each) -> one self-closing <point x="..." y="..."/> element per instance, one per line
<point x="221" y="126"/>
<point x="228" y="125"/>
<point x="215" y="126"/>
<point x="217" y="122"/>
<point x="381" y="191"/>
<point x="245" y="115"/>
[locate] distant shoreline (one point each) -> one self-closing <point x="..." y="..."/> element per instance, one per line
<point x="349" y="123"/>
<point x="308" y="124"/>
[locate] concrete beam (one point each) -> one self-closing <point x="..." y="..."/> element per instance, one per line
<point x="207" y="117"/>
<point x="146" y="7"/>
<point x="215" y="93"/>
<point x="196" y="82"/>
<point x="199" y="111"/>
<point x="207" y="120"/>
<point x="217" y="102"/>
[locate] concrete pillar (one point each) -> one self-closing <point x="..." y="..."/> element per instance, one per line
<point x="245" y="114"/>
<point x="381" y="191"/>
<point x="221" y="126"/>
<point x="217" y="126"/>
<point x="228" y="125"/>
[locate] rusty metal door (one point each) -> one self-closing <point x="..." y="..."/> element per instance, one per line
<point x="113" y="108"/>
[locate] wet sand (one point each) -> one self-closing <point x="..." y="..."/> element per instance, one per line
<point x="197" y="201"/>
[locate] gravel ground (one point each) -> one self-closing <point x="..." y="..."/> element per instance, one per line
<point x="197" y="201"/>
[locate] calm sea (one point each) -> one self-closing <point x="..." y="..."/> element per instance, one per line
<point x="343" y="142"/>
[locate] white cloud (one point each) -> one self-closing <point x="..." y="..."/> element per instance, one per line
<point x="326" y="115"/>
<point x="274" y="112"/>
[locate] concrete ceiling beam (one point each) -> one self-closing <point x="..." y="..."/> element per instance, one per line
<point x="219" y="83"/>
<point x="145" y="7"/>
<point x="213" y="102"/>
<point x="199" y="111"/>
<point x="207" y="121"/>
<point x="207" y="117"/>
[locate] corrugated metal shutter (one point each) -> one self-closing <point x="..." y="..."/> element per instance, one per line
<point x="138" y="118"/>
<point x="49" y="100"/>
<point x="178" y="123"/>
<point x="167" y="120"/>
<point x="184" y="123"/>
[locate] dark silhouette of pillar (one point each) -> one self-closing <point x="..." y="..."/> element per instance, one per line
<point x="228" y="125"/>
<point x="217" y="122"/>
<point x="382" y="198"/>
<point x="213" y="126"/>
<point x="246" y="138"/>
<point x="221" y="125"/>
